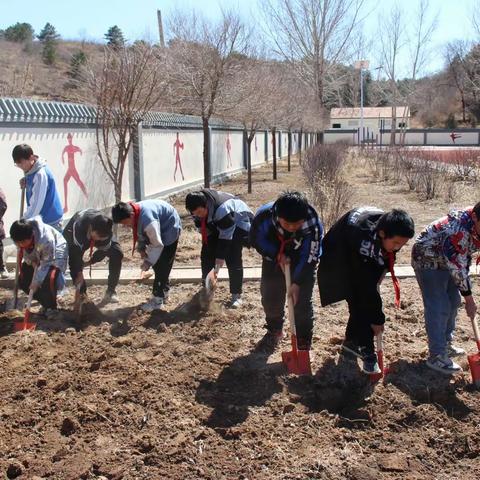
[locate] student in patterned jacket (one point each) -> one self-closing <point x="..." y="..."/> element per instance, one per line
<point x="357" y="252"/>
<point x="44" y="253"/>
<point x="441" y="258"/>
<point x="287" y="231"/>
<point x="224" y="222"/>
<point x="156" y="227"/>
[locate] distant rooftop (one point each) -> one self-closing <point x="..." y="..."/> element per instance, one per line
<point x="368" y="112"/>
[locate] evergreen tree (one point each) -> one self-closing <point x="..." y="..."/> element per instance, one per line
<point x="48" y="36"/>
<point x="76" y="62"/>
<point x="20" y="32"/>
<point x="114" y="37"/>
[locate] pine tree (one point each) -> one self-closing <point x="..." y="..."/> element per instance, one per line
<point x="76" y="62"/>
<point x="20" y="32"/>
<point x="114" y="37"/>
<point x="48" y="36"/>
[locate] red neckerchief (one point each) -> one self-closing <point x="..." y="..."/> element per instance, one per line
<point x="203" y="229"/>
<point x="396" y="284"/>
<point x="136" y="215"/>
<point x="20" y="256"/>
<point x="92" y="243"/>
<point x="283" y="243"/>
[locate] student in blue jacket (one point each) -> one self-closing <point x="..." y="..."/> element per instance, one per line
<point x="156" y="228"/>
<point x="40" y="188"/>
<point x="287" y="231"/>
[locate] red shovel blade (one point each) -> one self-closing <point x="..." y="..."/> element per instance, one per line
<point x="297" y="362"/>
<point x="474" y="362"/>
<point x="26" y="324"/>
<point x="375" y="377"/>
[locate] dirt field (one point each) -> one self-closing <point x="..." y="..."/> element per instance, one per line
<point x="181" y="394"/>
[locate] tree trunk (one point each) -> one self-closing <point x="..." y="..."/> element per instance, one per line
<point x="289" y="150"/>
<point x="393" y="128"/>
<point x="249" y="162"/>
<point x="206" y="153"/>
<point x="274" y="151"/>
<point x="300" y="147"/>
<point x="463" y="107"/>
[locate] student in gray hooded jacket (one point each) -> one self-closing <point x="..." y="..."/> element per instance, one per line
<point x="156" y="228"/>
<point x="224" y="223"/>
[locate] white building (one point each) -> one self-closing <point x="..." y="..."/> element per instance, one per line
<point x="374" y="118"/>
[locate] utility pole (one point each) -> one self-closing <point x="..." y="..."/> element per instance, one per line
<point x="361" y="65"/>
<point x="160" y="29"/>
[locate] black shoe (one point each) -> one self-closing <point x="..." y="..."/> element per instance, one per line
<point x="269" y="342"/>
<point x="350" y="347"/>
<point x="370" y="364"/>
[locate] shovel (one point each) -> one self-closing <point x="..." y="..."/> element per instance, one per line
<point x="375" y="377"/>
<point x="19" y="259"/>
<point x="26" y="324"/>
<point x="297" y="361"/>
<point x="474" y="358"/>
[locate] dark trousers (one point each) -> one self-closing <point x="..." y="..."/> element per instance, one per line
<point x="2" y="265"/>
<point x="358" y="329"/>
<point x="46" y="295"/>
<point x="115" y="258"/>
<point x="162" y="270"/>
<point x="233" y="258"/>
<point x="273" y="290"/>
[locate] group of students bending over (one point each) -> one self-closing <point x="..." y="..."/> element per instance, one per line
<point x="349" y="262"/>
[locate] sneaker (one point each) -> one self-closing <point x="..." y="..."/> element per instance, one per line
<point x="350" y="347"/>
<point x="269" y="343"/>
<point x="110" y="297"/>
<point x="370" y="364"/>
<point x="156" y="303"/>
<point x="4" y="275"/>
<point x="444" y="364"/>
<point x="236" y="301"/>
<point x="454" y="351"/>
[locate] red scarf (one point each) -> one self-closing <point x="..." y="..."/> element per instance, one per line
<point x="283" y="244"/>
<point x="203" y="229"/>
<point x="136" y="215"/>
<point x="396" y="284"/>
<point x="92" y="243"/>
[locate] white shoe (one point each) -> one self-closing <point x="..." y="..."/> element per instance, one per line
<point x="236" y="301"/>
<point x="4" y="275"/>
<point x="454" y="351"/>
<point x="110" y="297"/>
<point x="444" y="364"/>
<point x="156" y="303"/>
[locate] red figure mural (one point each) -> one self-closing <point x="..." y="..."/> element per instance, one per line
<point x="228" y="145"/>
<point x="178" y="162"/>
<point x="454" y="136"/>
<point x="71" y="150"/>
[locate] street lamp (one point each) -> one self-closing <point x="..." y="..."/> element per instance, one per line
<point x="361" y="65"/>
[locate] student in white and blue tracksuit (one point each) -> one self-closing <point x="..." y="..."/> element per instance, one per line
<point x="224" y="223"/>
<point x="156" y="228"/>
<point x="44" y="253"/>
<point x="40" y="187"/>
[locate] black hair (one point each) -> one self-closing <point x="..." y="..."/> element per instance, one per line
<point x="21" y="230"/>
<point x="22" y="152"/>
<point x="476" y="210"/>
<point x="194" y="200"/>
<point x="292" y="206"/>
<point x="396" y="223"/>
<point x="121" y="211"/>
<point x="102" y="225"/>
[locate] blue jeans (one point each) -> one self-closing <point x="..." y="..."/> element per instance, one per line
<point x="441" y="300"/>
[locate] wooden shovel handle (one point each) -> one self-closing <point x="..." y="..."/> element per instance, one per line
<point x="476" y="332"/>
<point x="17" y="265"/>
<point x="291" y="309"/>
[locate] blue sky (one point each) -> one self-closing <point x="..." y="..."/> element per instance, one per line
<point x="90" y="19"/>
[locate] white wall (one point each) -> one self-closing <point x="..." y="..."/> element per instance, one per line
<point x="444" y="138"/>
<point x="49" y="143"/>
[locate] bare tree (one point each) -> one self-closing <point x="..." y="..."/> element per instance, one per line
<point x="202" y="57"/>
<point x="128" y="84"/>
<point x="313" y="36"/>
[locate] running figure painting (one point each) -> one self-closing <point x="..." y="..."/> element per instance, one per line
<point x="178" y="162"/>
<point x="71" y="150"/>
